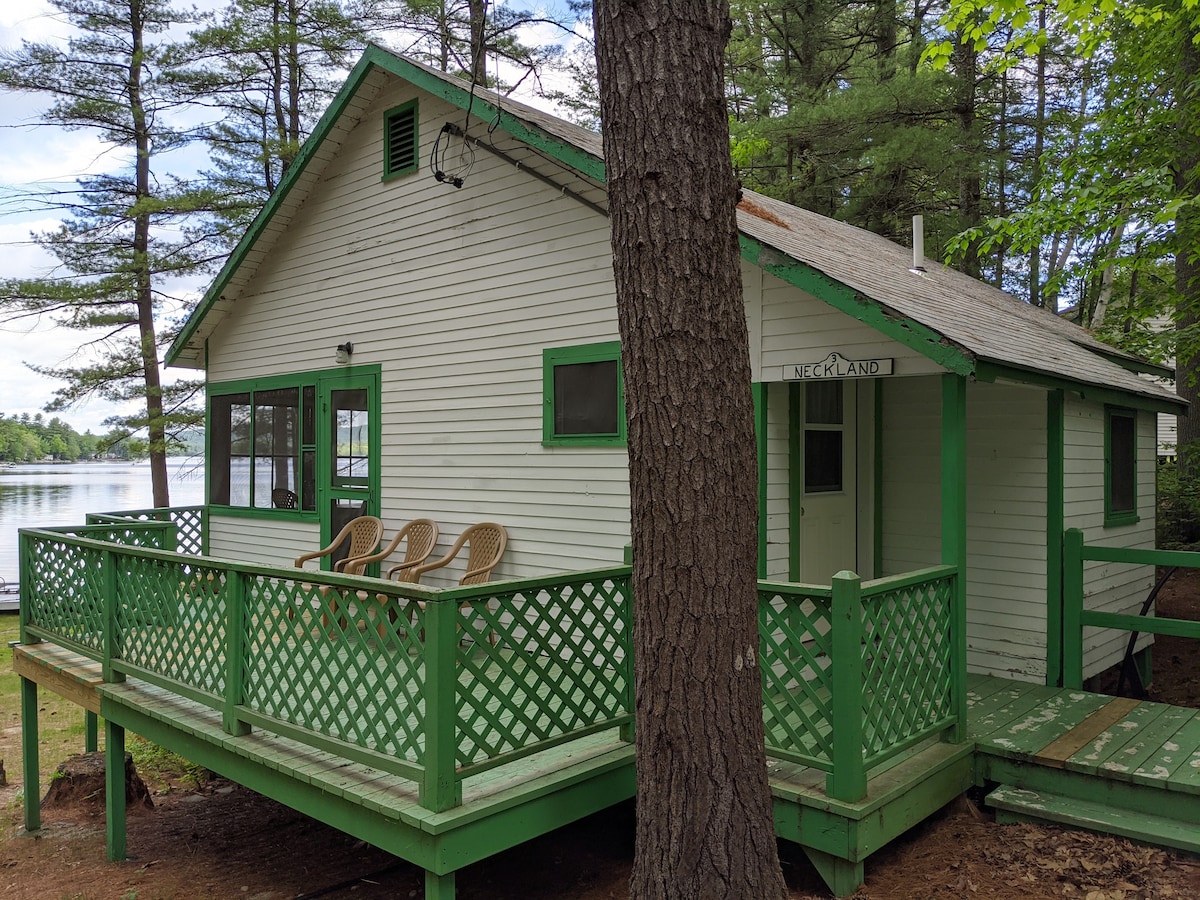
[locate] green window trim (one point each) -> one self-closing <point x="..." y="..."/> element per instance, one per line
<point x="1120" y="466"/>
<point x="598" y="358"/>
<point x="401" y="144"/>
<point x="304" y="442"/>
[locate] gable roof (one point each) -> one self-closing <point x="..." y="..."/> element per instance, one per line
<point x="959" y="322"/>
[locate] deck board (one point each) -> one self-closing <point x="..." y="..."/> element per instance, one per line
<point x="1151" y="745"/>
<point x="1104" y="750"/>
<point x="1172" y="756"/>
<point x="1012" y="704"/>
<point x="1103" y="714"/>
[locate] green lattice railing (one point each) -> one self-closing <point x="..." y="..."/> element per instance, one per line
<point x="436" y="686"/>
<point x="430" y="685"/>
<point x="858" y="672"/>
<point x="191" y="523"/>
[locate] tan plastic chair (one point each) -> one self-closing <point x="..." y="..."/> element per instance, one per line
<point x="485" y="544"/>
<point x="365" y="533"/>
<point x="419" y="537"/>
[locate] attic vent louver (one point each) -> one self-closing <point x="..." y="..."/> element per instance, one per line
<point x="400" y="140"/>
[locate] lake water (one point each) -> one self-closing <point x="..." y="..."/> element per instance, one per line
<point x="38" y="495"/>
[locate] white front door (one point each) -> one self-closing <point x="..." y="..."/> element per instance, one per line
<point x="828" y="470"/>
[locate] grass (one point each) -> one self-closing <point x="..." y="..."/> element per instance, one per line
<point x="60" y="722"/>
<point x="61" y="734"/>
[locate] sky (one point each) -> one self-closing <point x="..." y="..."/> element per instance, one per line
<point x="40" y="157"/>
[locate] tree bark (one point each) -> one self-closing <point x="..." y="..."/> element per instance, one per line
<point x="143" y="288"/>
<point x="704" y="809"/>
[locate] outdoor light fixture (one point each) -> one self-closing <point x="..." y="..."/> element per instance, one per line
<point x="344" y="351"/>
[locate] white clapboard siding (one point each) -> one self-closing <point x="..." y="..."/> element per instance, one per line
<point x="797" y="327"/>
<point x="911" y="469"/>
<point x="1006" y="530"/>
<point x="270" y="542"/>
<point x="454" y="293"/>
<point x="1108" y="587"/>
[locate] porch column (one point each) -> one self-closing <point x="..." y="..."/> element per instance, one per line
<point x="954" y="537"/>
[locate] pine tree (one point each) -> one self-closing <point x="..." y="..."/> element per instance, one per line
<point x="120" y="246"/>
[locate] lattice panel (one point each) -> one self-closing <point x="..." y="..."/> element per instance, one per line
<point x="907" y="662"/>
<point x="128" y="535"/>
<point x="190" y="524"/>
<point x="542" y="663"/>
<point x="349" y="665"/>
<point x="63" y="588"/>
<point x="171" y="620"/>
<point x="794" y="649"/>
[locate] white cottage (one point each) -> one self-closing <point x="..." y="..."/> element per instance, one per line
<point x="388" y="339"/>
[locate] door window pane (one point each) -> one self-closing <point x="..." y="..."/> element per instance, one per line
<point x="822" y="461"/>
<point x="351" y="437"/>
<point x="823" y="402"/>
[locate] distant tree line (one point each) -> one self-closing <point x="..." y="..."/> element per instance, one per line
<point x="27" y="438"/>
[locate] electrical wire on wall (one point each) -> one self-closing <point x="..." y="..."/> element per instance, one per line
<point x="440" y="152"/>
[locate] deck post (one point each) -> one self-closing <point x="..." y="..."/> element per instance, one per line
<point x="235" y="639"/>
<point x="30" y="770"/>
<point x="1072" y="628"/>
<point x="91" y="732"/>
<point x="848" y="780"/>
<point x="112" y="649"/>
<point x="440" y="789"/>
<point x="628" y="731"/>
<point x="954" y="539"/>
<point x="439" y="887"/>
<point x="114" y="789"/>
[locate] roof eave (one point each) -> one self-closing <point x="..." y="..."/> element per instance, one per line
<point x="902" y="329"/>
<point x="1152" y="399"/>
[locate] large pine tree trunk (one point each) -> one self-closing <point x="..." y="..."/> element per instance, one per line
<point x="704" y="811"/>
<point x="142" y="274"/>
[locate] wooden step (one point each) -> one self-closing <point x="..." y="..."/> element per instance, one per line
<point x="1014" y="804"/>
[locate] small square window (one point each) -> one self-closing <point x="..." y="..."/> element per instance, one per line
<point x="1120" y="467"/>
<point x="400" y="140"/>
<point x="584" y="396"/>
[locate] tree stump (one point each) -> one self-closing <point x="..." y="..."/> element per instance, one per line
<point x="80" y="781"/>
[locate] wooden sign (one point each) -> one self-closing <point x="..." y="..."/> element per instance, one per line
<point x="837" y="366"/>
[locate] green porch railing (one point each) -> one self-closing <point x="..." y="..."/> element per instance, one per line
<point x="1076" y="617"/>
<point x="439" y="685"/>
<point x="858" y="672"/>
<point x="191" y="523"/>
<point x="433" y="686"/>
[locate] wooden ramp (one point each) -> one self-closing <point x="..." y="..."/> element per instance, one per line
<point x="1107" y="764"/>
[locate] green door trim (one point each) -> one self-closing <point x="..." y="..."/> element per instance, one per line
<point x="357" y="378"/>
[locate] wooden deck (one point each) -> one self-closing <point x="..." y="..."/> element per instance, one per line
<point x="1058" y="755"/>
<point x="1103" y="763"/>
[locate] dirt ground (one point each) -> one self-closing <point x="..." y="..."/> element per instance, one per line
<point x="222" y="841"/>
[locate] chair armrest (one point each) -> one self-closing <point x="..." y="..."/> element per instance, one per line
<point x="303" y="558"/>
<point x="418" y="571"/>
<point x="364" y="561"/>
